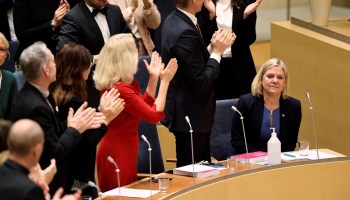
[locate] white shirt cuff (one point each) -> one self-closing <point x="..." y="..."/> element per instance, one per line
<point x="216" y="56"/>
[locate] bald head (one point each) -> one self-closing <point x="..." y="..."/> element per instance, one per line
<point x="24" y="135"/>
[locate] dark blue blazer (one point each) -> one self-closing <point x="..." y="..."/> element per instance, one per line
<point x="191" y="90"/>
<point x="252" y="109"/>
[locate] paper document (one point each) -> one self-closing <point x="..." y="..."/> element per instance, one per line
<point x="311" y="156"/>
<point x="129" y="192"/>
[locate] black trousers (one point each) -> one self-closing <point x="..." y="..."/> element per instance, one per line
<point x="201" y="147"/>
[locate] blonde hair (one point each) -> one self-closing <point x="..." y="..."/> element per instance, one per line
<point x="3" y="38"/>
<point x="117" y="62"/>
<point x="257" y="88"/>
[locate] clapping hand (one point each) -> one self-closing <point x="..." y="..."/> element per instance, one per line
<point x="111" y="105"/>
<point x="84" y="118"/>
<point x="168" y="73"/>
<point x="155" y="67"/>
<point x="61" y="11"/>
<point x="222" y="39"/>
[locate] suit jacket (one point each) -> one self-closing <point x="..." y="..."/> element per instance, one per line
<point x="32" y="21"/>
<point x="191" y="90"/>
<point x="143" y="21"/>
<point x="81" y="160"/>
<point x="79" y="26"/>
<point x="15" y="184"/>
<point x="252" y="109"/>
<point x="31" y="104"/>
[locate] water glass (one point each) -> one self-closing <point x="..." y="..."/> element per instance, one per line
<point x="304" y="147"/>
<point x="164" y="183"/>
<point x="231" y="164"/>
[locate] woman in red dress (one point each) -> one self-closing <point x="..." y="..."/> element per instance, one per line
<point x="116" y="67"/>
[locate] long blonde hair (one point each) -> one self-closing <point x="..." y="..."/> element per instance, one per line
<point x="257" y="88"/>
<point x="117" y="62"/>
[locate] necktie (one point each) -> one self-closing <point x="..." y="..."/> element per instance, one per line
<point x="103" y="10"/>
<point x="199" y="30"/>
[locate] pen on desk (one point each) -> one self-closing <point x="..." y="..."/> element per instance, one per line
<point x="289" y="155"/>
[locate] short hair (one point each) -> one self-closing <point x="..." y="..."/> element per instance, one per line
<point x="117" y="61"/>
<point x="32" y="59"/>
<point x="24" y="135"/>
<point x="257" y="88"/>
<point x="5" y="126"/>
<point x="71" y="62"/>
<point x="3" y="38"/>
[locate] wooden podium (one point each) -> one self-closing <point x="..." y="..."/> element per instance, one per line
<point x="318" y="179"/>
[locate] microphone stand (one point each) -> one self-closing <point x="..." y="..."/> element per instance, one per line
<point x="111" y="160"/>
<point x="191" y="132"/>
<point x="313" y="123"/>
<point x="245" y="138"/>
<point x="150" y="163"/>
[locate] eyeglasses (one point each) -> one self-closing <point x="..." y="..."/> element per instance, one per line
<point x="3" y="50"/>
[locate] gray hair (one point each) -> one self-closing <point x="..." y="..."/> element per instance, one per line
<point x="32" y="59"/>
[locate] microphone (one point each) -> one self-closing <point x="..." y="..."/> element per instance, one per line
<point x="191" y="132"/>
<point x="245" y="138"/>
<point x="150" y="163"/>
<point x="313" y="123"/>
<point x="111" y="160"/>
<point x="92" y="184"/>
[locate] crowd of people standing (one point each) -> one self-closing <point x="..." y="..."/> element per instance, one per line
<point x="79" y="58"/>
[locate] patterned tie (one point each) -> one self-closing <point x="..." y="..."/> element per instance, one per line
<point x="103" y="10"/>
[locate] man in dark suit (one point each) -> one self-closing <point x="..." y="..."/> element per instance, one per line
<point x="191" y="90"/>
<point x="18" y="179"/>
<point x="91" y="23"/>
<point x="25" y="143"/>
<point x="34" y="102"/>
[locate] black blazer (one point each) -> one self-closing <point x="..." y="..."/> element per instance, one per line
<point x="191" y="90"/>
<point x="79" y="26"/>
<point x="30" y="103"/>
<point x="252" y="109"/>
<point x="81" y="160"/>
<point x="15" y="184"/>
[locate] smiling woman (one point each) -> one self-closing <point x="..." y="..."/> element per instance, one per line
<point x="267" y="106"/>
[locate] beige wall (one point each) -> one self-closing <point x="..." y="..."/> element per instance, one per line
<point x="283" y="3"/>
<point x="319" y="65"/>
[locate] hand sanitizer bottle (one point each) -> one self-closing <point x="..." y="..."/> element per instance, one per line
<point x="274" y="149"/>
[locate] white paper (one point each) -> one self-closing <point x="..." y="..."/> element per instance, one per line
<point x="129" y="192"/>
<point x="197" y="168"/>
<point x="311" y="156"/>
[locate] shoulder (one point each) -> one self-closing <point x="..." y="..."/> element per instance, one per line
<point x="7" y="74"/>
<point x="248" y="98"/>
<point x="292" y="101"/>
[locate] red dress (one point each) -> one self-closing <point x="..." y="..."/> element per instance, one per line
<point x="121" y="140"/>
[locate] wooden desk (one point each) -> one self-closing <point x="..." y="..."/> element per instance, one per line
<point x="266" y="182"/>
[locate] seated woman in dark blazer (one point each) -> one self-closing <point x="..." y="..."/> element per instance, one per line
<point x="267" y="106"/>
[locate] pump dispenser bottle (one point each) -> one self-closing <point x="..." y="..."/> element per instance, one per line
<point x="274" y="149"/>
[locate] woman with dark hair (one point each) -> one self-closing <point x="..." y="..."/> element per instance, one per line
<point x="69" y="91"/>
